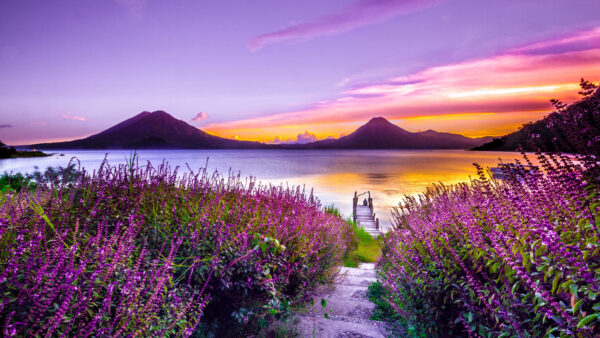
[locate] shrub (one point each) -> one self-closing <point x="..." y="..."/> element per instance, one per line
<point x="51" y="176"/>
<point x="500" y="258"/>
<point x="138" y="250"/>
<point x="15" y="182"/>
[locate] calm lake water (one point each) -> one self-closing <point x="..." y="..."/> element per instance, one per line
<point x="333" y="174"/>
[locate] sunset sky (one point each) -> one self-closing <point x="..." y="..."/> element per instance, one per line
<point x="290" y="70"/>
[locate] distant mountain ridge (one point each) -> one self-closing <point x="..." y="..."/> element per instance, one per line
<point x="379" y="133"/>
<point x="160" y="130"/>
<point x="152" y="130"/>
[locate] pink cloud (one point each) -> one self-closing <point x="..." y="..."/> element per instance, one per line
<point x="588" y="39"/>
<point x="68" y="116"/>
<point x="303" y="138"/>
<point x="518" y="81"/>
<point x="200" y="116"/>
<point x="361" y="13"/>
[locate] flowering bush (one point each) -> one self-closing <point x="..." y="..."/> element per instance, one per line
<point x="500" y="258"/>
<point x="132" y="250"/>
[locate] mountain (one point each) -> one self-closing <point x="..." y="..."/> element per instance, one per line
<point x="573" y="129"/>
<point x="379" y="133"/>
<point x="518" y="140"/>
<point x="161" y="130"/>
<point x="151" y="130"/>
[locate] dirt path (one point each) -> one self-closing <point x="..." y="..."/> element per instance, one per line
<point x="347" y="309"/>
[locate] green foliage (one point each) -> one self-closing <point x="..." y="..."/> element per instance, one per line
<point x="332" y="210"/>
<point x="365" y="249"/>
<point x="398" y="325"/>
<point x="10" y="182"/>
<point x="285" y="329"/>
<point x="57" y="175"/>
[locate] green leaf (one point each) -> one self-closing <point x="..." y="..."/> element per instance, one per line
<point x="540" y="250"/>
<point x="323" y="302"/>
<point x="514" y="288"/>
<point x="573" y="288"/>
<point x="577" y="306"/>
<point x="555" y="282"/>
<point x="587" y="320"/>
<point x="566" y="284"/>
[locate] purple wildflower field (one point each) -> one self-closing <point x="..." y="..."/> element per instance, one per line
<point x="518" y="257"/>
<point x="134" y="250"/>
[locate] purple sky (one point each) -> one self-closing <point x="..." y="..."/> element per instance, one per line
<point x="72" y="68"/>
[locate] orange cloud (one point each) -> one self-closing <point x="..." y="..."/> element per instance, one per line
<point x="511" y="88"/>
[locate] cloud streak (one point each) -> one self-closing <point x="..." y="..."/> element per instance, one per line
<point x="68" y="116"/>
<point x="4" y="126"/>
<point x="361" y="13"/>
<point x="584" y="40"/>
<point x="518" y="82"/>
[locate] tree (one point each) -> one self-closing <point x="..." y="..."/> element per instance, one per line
<point x="587" y="88"/>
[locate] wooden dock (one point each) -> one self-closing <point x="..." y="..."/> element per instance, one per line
<point x="363" y="215"/>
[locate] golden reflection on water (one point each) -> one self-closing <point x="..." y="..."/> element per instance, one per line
<point x="390" y="180"/>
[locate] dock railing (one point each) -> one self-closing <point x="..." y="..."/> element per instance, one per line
<point x="369" y="203"/>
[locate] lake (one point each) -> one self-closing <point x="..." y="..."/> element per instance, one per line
<point x="333" y="174"/>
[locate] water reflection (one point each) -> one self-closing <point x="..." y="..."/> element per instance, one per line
<point x="334" y="175"/>
<point x="377" y="178"/>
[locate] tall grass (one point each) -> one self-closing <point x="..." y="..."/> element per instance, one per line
<point x="365" y="250"/>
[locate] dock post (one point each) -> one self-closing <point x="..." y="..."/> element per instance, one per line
<point x="377" y="223"/>
<point x="354" y="203"/>
<point x="370" y="202"/>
